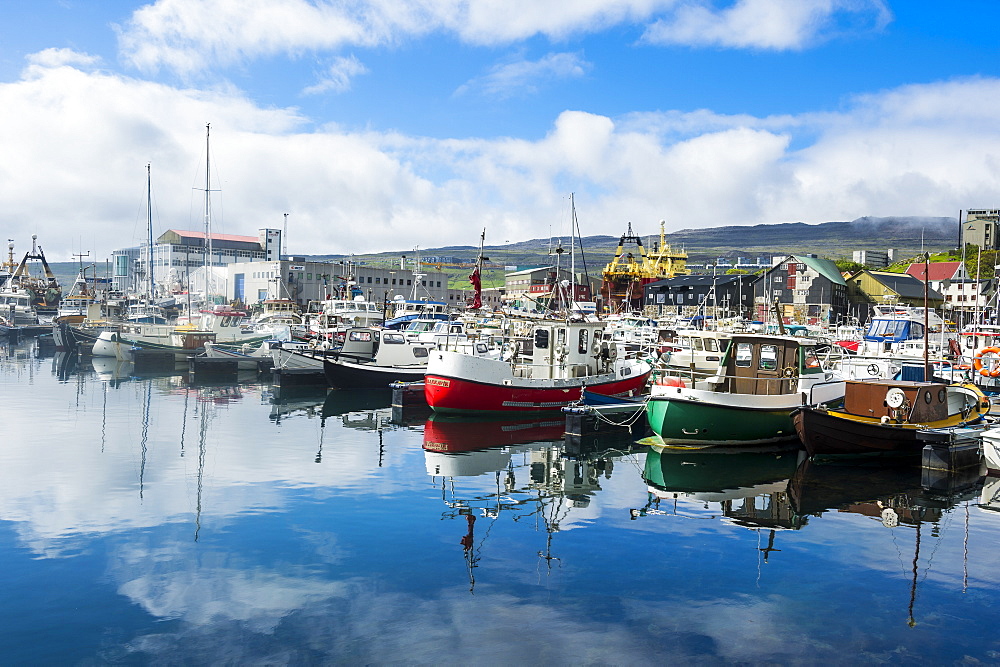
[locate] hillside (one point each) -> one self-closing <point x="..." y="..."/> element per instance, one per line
<point x="836" y="240"/>
<point x="908" y="236"/>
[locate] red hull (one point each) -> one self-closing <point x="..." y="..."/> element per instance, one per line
<point x="449" y="394"/>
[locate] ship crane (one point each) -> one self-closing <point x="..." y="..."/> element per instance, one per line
<point x="626" y="275"/>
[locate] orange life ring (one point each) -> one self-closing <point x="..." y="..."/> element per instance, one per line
<point x="670" y="381"/>
<point x="977" y="363"/>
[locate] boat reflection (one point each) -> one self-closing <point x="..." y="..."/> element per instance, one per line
<point x="532" y="478"/>
<point x="111" y="370"/>
<point x="989" y="498"/>
<point x="749" y="487"/>
<point x="308" y="401"/>
<point x="891" y="495"/>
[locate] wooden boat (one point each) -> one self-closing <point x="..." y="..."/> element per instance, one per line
<point x="886" y="416"/>
<point x="542" y="372"/>
<point x="759" y="382"/>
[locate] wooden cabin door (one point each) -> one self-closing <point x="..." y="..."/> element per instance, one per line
<point x="759" y="366"/>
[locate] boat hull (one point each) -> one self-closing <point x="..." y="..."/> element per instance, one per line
<point x="345" y="375"/>
<point x="683" y="421"/>
<point x="829" y="433"/>
<point x="460" y="383"/>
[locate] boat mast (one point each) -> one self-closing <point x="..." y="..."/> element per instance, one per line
<point x="208" y="209"/>
<point x="149" y="234"/>
<point x="572" y="257"/>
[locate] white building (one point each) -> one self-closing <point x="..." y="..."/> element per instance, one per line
<point x="304" y="281"/>
<point x="176" y="253"/>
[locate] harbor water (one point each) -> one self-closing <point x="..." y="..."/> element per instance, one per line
<point x="148" y="520"/>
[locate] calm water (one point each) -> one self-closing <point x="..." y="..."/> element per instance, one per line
<point x="144" y="520"/>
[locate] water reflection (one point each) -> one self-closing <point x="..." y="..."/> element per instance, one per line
<point x="154" y="521"/>
<point x="532" y="478"/>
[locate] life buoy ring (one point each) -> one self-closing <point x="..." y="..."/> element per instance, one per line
<point x="670" y="381"/>
<point x="977" y="363"/>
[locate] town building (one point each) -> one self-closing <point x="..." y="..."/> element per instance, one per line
<point x="532" y="289"/>
<point x="807" y="289"/>
<point x="874" y="259"/>
<point x="726" y="295"/>
<point x="304" y="281"/>
<point x="981" y="228"/>
<point x="867" y="288"/>
<point x="176" y="254"/>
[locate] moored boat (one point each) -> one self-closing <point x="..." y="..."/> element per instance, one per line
<point x="760" y="380"/>
<point x="886" y="417"/>
<point x="543" y="372"/>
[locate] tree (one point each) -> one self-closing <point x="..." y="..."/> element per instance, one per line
<point x="849" y="266"/>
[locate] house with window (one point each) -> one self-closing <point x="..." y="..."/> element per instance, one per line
<point x="808" y="290"/>
<point x="867" y="288"/>
<point x="963" y="295"/>
<point x="710" y="296"/>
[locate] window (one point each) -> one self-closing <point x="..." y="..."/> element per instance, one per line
<point x="541" y="339"/>
<point x="744" y="354"/>
<point x="778" y="279"/>
<point x="582" y="346"/>
<point x="419" y="352"/>
<point x="768" y="358"/>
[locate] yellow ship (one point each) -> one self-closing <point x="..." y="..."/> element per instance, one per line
<point x="624" y="277"/>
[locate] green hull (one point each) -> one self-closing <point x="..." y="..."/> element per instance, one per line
<point x="682" y="422"/>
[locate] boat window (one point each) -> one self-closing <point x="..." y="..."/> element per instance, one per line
<point x="711" y="344"/>
<point x="560" y="336"/>
<point x="697" y="344"/>
<point x="419" y="352"/>
<point x="810" y="359"/>
<point x="393" y="339"/>
<point x="768" y="358"/>
<point x="582" y="346"/>
<point x="361" y="336"/>
<point x="481" y="348"/>
<point x="744" y="353"/>
<point x="542" y="339"/>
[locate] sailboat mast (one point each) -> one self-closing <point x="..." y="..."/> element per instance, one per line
<point x="208" y="209"/>
<point x="572" y="256"/>
<point x="149" y="233"/>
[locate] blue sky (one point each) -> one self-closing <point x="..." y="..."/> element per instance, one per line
<point x="389" y="124"/>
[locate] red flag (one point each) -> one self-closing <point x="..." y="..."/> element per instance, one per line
<point x="477" y="284"/>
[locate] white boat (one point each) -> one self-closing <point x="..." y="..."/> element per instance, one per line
<point x="991" y="448"/>
<point x="246" y="358"/>
<point x="542" y="372"/>
<point x="122" y="343"/>
<point x="16" y="307"/>
<point x="412" y="309"/>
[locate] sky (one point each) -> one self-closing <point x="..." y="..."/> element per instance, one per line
<point x="379" y="125"/>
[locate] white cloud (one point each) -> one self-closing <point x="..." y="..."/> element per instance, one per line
<point x="526" y="76"/>
<point x="191" y="37"/>
<point x="765" y="24"/>
<point x="58" y="57"/>
<point x="73" y="167"/>
<point x="337" y="77"/>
